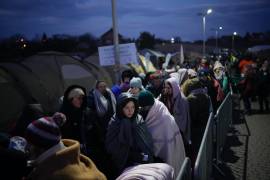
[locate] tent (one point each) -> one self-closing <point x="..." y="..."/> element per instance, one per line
<point x="258" y="48"/>
<point x="42" y="78"/>
<point x="156" y="57"/>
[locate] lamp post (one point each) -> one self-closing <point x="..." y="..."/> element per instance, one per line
<point x="209" y="11"/>
<point x="116" y="42"/>
<point x="172" y="40"/>
<point x="234" y="34"/>
<point x="217" y="30"/>
<point x="217" y="35"/>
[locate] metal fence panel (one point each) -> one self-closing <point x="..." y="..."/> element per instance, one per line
<point x="223" y="122"/>
<point x="203" y="164"/>
<point x="185" y="171"/>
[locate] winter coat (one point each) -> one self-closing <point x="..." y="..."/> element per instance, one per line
<point x="67" y="164"/>
<point x="83" y="127"/>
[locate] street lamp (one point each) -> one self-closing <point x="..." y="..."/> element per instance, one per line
<point x="220" y="28"/>
<point x="216" y="32"/>
<point x="209" y="11"/>
<point x="172" y="40"/>
<point x="234" y="34"/>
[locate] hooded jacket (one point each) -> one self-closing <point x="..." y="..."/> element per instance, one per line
<point x="81" y="126"/>
<point x="72" y="128"/>
<point x="67" y="164"/>
<point x="127" y="139"/>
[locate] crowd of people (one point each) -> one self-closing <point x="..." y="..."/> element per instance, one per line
<point x="143" y="127"/>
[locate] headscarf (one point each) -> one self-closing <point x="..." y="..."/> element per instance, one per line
<point x="180" y="109"/>
<point x="101" y="102"/>
<point x="167" y="139"/>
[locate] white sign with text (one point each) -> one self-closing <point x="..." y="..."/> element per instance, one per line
<point x="128" y="54"/>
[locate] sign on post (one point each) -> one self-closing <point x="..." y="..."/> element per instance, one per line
<point x="128" y="54"/>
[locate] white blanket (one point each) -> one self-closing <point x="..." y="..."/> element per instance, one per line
<point x="154" y="171"/>
<point x="167" y="139"/>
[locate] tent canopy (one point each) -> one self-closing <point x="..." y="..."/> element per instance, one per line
<point x="42" y="78"/>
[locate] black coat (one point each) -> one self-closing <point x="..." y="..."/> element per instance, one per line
<point x="81" y="126"/>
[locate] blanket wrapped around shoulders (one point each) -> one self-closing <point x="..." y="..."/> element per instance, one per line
<point x="160" y="171"/>
<point x="167" y="139"/>
<point x="126" y="134"/>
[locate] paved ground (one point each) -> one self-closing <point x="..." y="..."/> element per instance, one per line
<point x="247" y="151"/>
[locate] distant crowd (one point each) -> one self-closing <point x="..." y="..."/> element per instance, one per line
<point x="143" y="127"/>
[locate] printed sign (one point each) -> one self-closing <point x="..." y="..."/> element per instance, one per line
<point x="128" y="54"/>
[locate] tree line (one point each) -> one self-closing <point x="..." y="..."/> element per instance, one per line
<point x="18" y="46"/>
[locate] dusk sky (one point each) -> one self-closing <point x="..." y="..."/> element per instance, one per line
<point x="164" y="18"/>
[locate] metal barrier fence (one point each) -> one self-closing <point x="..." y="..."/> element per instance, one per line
<point x="223" y="119"/>
<point x="203" y="164"/>
<point x="185" y="171"/>
<point x="215" y="131"/>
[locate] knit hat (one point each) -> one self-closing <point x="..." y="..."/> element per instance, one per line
<point x="155" y="75"/>
<point x="136" y="82"/>
<point x="44" y="132"/>
<point x="116" y="90"/>
<point x="18" y="143"/>
<point x="146" y="98"/>
<point x="76" y="92"/>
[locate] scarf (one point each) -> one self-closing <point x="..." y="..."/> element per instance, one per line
<point x="102" y="104"/>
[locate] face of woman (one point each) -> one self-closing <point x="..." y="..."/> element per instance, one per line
<point x="134" y="90"/>
<point x="218" y="73"/>
<point x="102" y="87"/>
<point x="77" y="101"/>
<point x="167" y="90"/>
<point x="129" y="109"/>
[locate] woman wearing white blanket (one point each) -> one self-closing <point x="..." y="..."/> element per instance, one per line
<point x="178" y="106"/>
<point x="167" y="139"/>
<point x="160" y="171"/>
